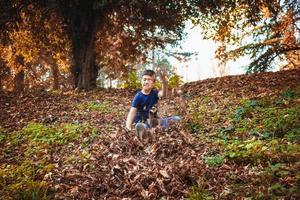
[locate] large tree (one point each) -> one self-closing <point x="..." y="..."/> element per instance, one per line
<point x="108" y="34"/>
<point x="266" y="30"/>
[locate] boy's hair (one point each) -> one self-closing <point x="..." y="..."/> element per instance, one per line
<point x="149" y="72"/>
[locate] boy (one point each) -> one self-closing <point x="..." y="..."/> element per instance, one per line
<point x="142" y="103"/>
<point x="142" y="107"/>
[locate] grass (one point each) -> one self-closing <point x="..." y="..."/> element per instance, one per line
<point x="199" y="192"/>
<point x="262" y="132"/>
<point x="24" y="177"/>
<point x="103" y="107"/>
<point x="214" y="161"/>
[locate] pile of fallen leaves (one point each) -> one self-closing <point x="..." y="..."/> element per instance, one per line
<point x="113" y="164"/>
<point x="106" y="161"/>
<point x="121" y="166"/>
<point x="253" y="85"/>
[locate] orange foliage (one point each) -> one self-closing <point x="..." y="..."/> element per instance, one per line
<point x="35" y="49"/>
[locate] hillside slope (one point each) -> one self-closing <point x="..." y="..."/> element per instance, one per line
<point x="239" y="137"/>
<point x="251" y="128"/>
<point x="253" y="85"/>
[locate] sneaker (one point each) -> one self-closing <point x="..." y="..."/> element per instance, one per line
<point x="165" y="122"/>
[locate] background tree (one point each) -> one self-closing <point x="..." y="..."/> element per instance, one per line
<point x="35" y="54"/>
<point x="106" y="34"/>
<point x="163" y="70"/>
<point x="266" y="30"/>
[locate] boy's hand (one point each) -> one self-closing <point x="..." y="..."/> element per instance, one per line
<point x="154" y="110"/>
<point x="128" y="128"/>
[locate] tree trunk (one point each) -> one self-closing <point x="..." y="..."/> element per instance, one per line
<point x="162" y="73"/>
<point x="19" y="78"/>
<point x="84" y="27"/>
<point x="290" y="40"/>
<point x="164" y="87"/>
<point x="19" y="81"/>
<point x="2" y="73"/>
<point x="84" y="65"/>
<point x="55" y="74"/>
<point x="110" y="83"/>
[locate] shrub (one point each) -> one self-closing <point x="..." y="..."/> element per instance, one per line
<point x="175" y="81"/>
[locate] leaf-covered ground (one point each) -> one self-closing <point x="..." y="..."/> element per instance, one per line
<point x="239" y="138"/>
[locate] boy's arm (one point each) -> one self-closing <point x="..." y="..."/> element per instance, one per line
<point x="130" y="117"/>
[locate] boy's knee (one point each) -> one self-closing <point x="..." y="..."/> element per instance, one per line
<point x="141" y="130"/>
<point x="141" y="125"/>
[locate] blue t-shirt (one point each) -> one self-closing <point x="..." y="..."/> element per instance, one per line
<point x="144" y="103"/>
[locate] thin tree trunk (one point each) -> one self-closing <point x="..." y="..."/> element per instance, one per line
<point x="55" y="74"/>
<point x="19" y="81"/>
<point x="164" y="88"/>
<point x="19" y="78"/>
<point x="293" y="57"/>
<point x="162" y="72"/>
<point x="3" y="68"/>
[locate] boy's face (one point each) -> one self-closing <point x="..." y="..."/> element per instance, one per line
<point x="148" y="82"/>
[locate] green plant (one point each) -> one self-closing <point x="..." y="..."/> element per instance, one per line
<point x="33" y="190"/>
<point x="198" y="192"/>
<point x="132" y="81"/>
<point x="103" y="107"/>
<point x="197" y="109"/>
<point x="3" y="134"/>
<point x="277" y="189"/>
<point x="289" y="95"/>
<point x="246" y="109"/>
<point x="226" y="130"/>
<point x="293" y="135"/>
<point x="20" y="181"/>
<point x="260" y="151"/>
<point x="214" y="161"/>
<point x="194" y="127"/>
<point x="262" y="134"/>
<point x="175" y="81"/>
<point x="286" y="97"/>
<point x="280" y="121"/>
<point x="24" y="178"/>
<point x="265" y="120"/>
<point x="249" y="150"/>
<point x="39" y="134"/>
